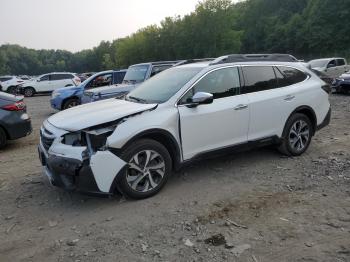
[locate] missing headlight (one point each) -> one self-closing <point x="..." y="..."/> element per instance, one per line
<point x="74" y="139"/>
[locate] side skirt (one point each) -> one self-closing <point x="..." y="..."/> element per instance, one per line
<point x="274" y="140"/>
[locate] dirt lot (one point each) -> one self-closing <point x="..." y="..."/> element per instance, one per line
<point x="253" y="206"/>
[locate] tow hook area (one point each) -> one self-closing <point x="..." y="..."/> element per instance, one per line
<point x="105" y="167"/>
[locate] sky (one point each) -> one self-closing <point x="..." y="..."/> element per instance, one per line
<point x="75" y="25"/>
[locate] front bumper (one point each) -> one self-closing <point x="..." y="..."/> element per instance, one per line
<point x="95" y="175"/>
<point x="56" y="103"/>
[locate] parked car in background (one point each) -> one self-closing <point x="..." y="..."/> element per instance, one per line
<point x="135" y="75"/>
<point x="14" y="120"/>
<point x="332" y="67"/>
<point x="183" y="114"/>
<point x="323" y="76"/>
<point x="342" y="84"/>
<point x="48" y="82"/>
<point x="10" y="84"/>
<point x="67" y="97"/>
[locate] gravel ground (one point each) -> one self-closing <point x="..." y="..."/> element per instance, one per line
<point x="252" y="206"/>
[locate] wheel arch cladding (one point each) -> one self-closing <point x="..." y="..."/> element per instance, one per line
<point x="165" y="138"/>
<point x="310" y="113"/>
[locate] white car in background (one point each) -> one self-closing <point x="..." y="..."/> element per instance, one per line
<point x="9" y="84"/>
<point x="332" y="67"/>
<point x="48" y="83"/>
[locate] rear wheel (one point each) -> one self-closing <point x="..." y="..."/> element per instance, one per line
<point x="149" y="167"/>
<point x="3" y="138"/>
<point x="70" y="103"/>
<point x="29" y="92"/>
<point x="297" y="135"/>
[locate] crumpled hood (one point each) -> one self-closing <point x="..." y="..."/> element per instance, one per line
<point x="88" y="115"/>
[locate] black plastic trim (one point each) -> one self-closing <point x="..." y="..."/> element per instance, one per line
<point x="326" y="121"/>
<point x="273" y="140"/>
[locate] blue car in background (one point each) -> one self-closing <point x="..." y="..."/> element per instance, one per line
<point x="67" y="97"/>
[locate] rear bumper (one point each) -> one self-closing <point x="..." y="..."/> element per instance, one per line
<point x="326" y="121"/>
<point x="18" y="125"/>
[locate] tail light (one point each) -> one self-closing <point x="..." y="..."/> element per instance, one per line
<point x="18" y="106"/>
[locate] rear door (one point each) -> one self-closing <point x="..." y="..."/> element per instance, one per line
<point x="332" y="69"/>
<point x="273" y="94"/>
<point x="341" y="64"/>
<point x="220" y="124"/>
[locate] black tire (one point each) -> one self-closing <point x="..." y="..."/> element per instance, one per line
<point x="139" y="148"/>
<point x="290" y="138"/>
<point x="29" y="92"/>
<point x="70" y="103"/>
<point x="12" y="90"/>
<point x="3" y="138"/>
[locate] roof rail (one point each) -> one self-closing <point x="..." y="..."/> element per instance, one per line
<point x="197" y="60"/>
<point x="234" y="58"/>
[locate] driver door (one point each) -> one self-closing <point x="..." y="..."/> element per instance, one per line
<point x="220" y="124"/>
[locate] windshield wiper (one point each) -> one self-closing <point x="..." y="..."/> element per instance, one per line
<point x="144" y="101"/>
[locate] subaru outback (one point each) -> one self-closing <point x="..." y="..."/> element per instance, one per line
<point x="185" y="113"/>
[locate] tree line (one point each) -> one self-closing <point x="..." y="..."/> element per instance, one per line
<point x="305" y="28"/>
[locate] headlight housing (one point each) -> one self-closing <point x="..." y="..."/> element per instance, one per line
<point x="55" y="94"/>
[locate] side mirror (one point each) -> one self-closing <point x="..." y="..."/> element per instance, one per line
<point x="38" y="80"/>
<point x="201" y="98"/>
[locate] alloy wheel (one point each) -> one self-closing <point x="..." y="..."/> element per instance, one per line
<point x="299" y="135"/>
<point x="145" y="171"/>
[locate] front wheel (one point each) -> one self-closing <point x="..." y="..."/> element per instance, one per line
<point x="149" y="167"/>
<point x="70" y="103"/>
<point x="297" y="135"/>
<point x="29" y="92"/>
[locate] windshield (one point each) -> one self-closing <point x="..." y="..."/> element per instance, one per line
<point x="163" y="86"/>
<point x="318" y="63"/>
<point x="136" y="74"/>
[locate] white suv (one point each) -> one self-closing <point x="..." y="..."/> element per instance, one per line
<point x="48" y="83"/>
<point x="9" y="84"/>
<point x="183" y="114"/>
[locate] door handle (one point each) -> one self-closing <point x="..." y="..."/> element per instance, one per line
<point x="289" y="98"/>
<point x="241" y="107"/>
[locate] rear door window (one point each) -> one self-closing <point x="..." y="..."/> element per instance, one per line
<point x="287" y="76"/>
<point x="3" y="79"/>
<point x="340" y="62"/>
<point x="258" y="78"/>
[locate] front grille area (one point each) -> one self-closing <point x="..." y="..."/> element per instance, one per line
<point x="46" y="140"/>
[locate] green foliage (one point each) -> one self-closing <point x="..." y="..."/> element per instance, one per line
<point x="304" y="28"/>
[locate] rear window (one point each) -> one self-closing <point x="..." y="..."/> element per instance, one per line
<point x="258" y="78"/>
<point x="289" y="76"/>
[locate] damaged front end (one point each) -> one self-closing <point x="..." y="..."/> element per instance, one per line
<point x="80" y="160"/>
